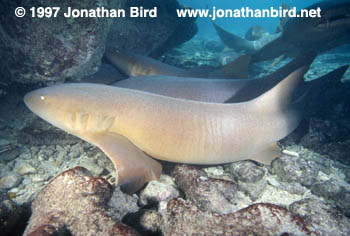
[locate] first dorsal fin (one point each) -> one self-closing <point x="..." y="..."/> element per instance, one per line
<point x="280" y="96"/>
<point x="235" y="69"/>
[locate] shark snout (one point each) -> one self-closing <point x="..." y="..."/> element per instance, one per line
<point x="35" y="100"/>
<point x="28" y="99"/>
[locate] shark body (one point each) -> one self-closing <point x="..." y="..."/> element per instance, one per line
<point x="299" y="34"/>
<point x="129" y="126"/>
<point x="132" y="64"/>
<point x="214" y="90"/>
<point x="228" y="90"/>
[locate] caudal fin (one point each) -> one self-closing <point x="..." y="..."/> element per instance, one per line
<point x="283" y="20"/>
<point x="259" y="86"/>
<point x="280" y="96"/>
<point x="232" y="41"/>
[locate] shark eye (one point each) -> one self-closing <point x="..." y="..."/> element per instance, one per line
<point x="42" y="98"/>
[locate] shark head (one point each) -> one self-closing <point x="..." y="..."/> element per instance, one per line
<point x="333" y="24"/>
<point x="70" y="107"/>
<point x="48" y="104"/>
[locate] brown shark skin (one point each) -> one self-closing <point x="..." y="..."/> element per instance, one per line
<point x="132" y="64"/>
<point x="128" y="125"/>
<point x="214" y="90"/>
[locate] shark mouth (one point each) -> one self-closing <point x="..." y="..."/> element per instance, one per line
<point x="336" y="21"/>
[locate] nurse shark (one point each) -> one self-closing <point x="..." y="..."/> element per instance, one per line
<point x="299" y="34"/>
<point x="133" y="128"/>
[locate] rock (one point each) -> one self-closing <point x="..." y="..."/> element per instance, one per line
<point x="91" y="166"/>
<point x="9" y="154"/>
<point x="343" y="201"/>
<point x="156" y="192"/>
<point x="207" y="193"/>
<point x="10" y="214"/>
<point x="39" y="132"/>
<point x="253" y="190"/>
<point x="328" y="189"/>
<point x="152" y="36"/>
<point x="249" y="177"/>
<point x="184" y="218"/>
<point x="322" y="216"/>
<point x="24" y="168"/>
<point x="53" y="49"/>
<point x="76" y="150"/>
<point x="74" y="201"/>
<point x="4" y="142"/>
<point x="8" y="151"/>
<point x="293" y="187"/>
<point x="150" y="220"/>
<point x="245" y="171"/>
<point x="214" y="46"/>
<point x="336" y="190"/>
<point x="10" y="180"/>
<point x="329" y="137"/>
<point x="292" y="169"/>
<point x="122" y="204"/>
<point x="3" y="94"/>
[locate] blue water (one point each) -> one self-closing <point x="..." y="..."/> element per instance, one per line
<point x="240" y="25"/>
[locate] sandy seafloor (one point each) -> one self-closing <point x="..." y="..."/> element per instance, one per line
<point x="33" y="152"/>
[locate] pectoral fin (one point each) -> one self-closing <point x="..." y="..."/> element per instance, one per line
<point x="134" y="167"/>
<point x="267" y="155"/>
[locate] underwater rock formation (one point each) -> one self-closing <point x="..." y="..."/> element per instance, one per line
<point x="296" y="170"/>
<point x="209" y="194"/>
<point x="325" y="218"/>
<point x="10" y="214"/>
<point x="184" y="218"/>
<point x="52" y="49"/>
<point x="167" y="31"/>
<point x="249" y="177"/>
<point x="75" y="201"/>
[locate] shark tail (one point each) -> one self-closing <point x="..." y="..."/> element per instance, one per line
<point x="235" y="42"/>
<point x="281" y="96"/>
<point x="278" y="101"/>
<point x="283" y="20"/>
